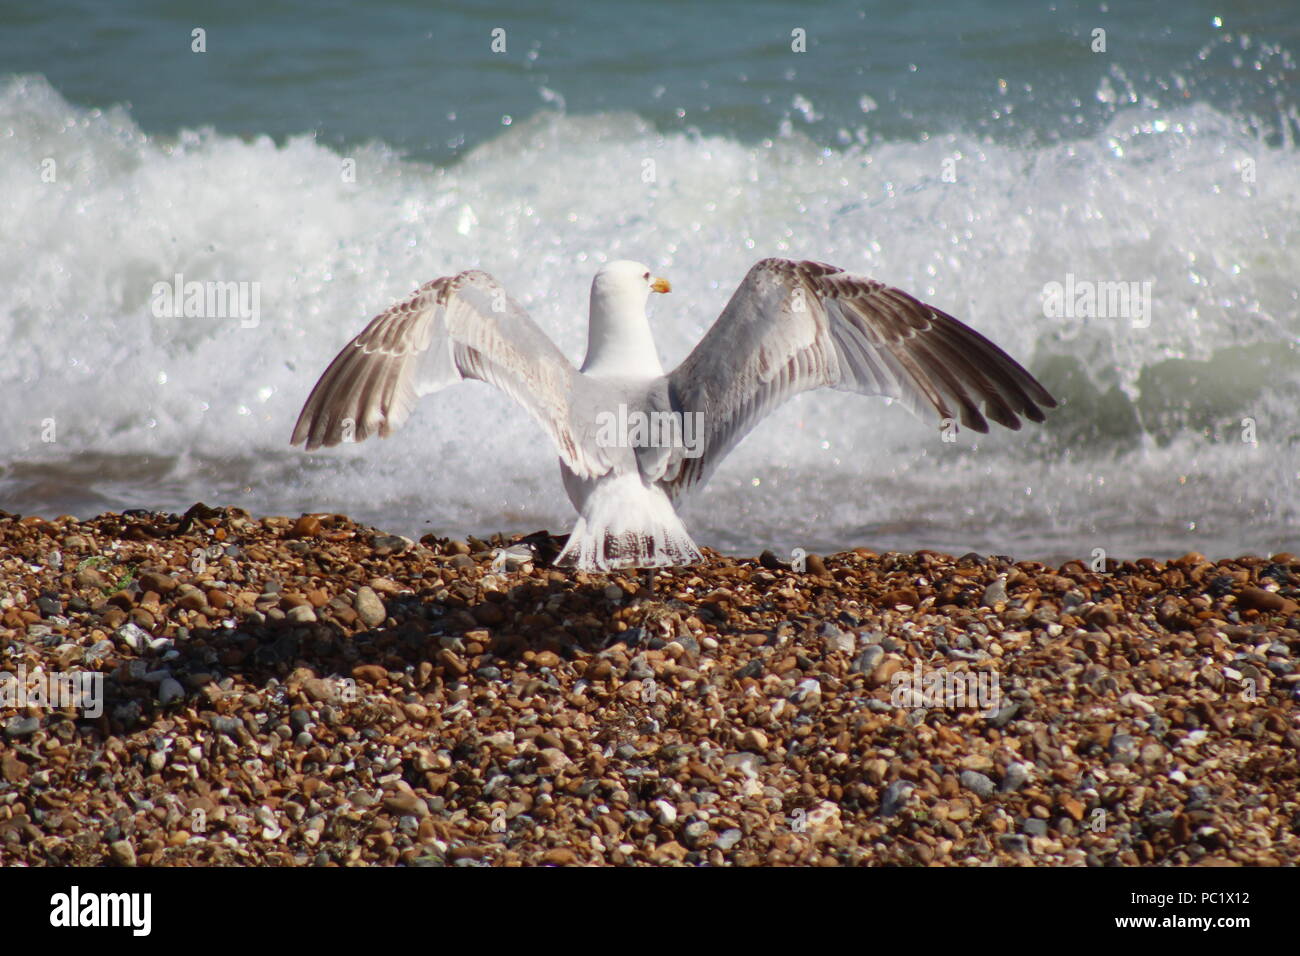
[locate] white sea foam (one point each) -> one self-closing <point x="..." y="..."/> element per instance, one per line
<point x="1146" y="456"/>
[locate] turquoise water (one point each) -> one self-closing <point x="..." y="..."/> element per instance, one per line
<point x="972" y="154"/>
<point x="423" y="78"/>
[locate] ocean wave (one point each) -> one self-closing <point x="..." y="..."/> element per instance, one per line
<point x="112" y="400"/>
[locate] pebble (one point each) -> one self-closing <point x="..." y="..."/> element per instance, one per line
<point x="727" y="839"/>
<point x="695" y="832"/>
<point x="977" y="783"/>
<point x="369" y="608"/>
<point x="406" y="804"/>
<point x="227" y="726"/>
<point x="665" y="812"/>
<point x="89" y="579"/>
<point x="308" y="526"/>
<point x="1123" y="749"/>
<point x="13" y="770"/>
<point x="160" y="582"/>
<point x="19" y="728"/>
<point x="170" y="689"/>
<point x="122" y="853"/>
<point x="895" y="797"/>
<point x="519" y="693"/>
<point x="837" y="640"/>
<point x="869" y="659"/>
<point x="996" y="593"/>
<point x="98" y="651"/>
<point x="301" y="614"/>
<point x="1014" y="842"/>
<point x="390" y="544"/>
<point x="1016" y="776"/>
<point x="132" y="637"/>
<point x="1034" y="827"/>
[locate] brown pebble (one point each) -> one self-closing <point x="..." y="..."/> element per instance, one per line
<point x="308" y="526"/>
<point x="905" y="596"/>
<point x="12" y="770"/>
<point x="406" y="804"/>
<point x="370" y="673"/>
<point x="885" y="670"/>
<point x="158" y="581"/>
<point x="816" y="566"/>
<point x="546" y="659"/>
<point x="122" y="853"/>
<point x="1262" y="600"/>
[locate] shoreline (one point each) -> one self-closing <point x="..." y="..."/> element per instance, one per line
<point x="310" y="691"/>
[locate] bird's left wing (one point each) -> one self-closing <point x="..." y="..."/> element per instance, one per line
<point x="795" y="326"/>
<point x="450" y="329"/>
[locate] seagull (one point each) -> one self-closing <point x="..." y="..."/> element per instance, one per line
<point x="632" y="439"/>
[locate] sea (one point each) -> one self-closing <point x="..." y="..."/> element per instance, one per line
<point x="1110" y="191"/>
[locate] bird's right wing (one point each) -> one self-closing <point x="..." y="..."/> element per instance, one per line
<point x="795" y="326"/>
<point x="450" y="329"/>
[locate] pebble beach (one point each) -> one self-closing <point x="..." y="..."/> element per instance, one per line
<point x="312" y="692"/>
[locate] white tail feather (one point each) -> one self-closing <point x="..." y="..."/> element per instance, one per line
<point x="626" y="524"/>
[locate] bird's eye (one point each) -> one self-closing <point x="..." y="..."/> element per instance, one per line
<point x="646" y="276"/>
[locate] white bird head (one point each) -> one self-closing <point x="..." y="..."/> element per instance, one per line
<point x="618" y="338"/>
<point x="625" y="280"/>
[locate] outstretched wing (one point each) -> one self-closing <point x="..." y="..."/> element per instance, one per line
<point x="795" y="326"/>
<point x="450" y="329"/>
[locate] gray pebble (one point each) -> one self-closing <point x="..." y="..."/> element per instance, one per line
<point x="727" y="839"/>
<point x="977" y="783"/>
<point x="386" y="544"/>
<point x="866" y="662"/>
<point x="1014" y="842"/>
<point x="301" y="614"/>
<point x="132" y="637"/>
<point x="98" y="651"/>
<point x="1017" y="776"/>
<point x="369" y="608"/>
<point x="20" y="727"/>
<point x="170" y="689"/>
<point x="895" y="797"/>
<point x="1123" y="749"/>
<point x="1003" y="716"/>
<point x="1034" y="827"/>
<point x="640" y="669"/>
<point x="227" y="726"/>
<point x="995" y="593"/>
<point x="695" y="829"/>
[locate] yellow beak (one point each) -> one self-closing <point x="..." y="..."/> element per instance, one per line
<point x="659" y="284"/>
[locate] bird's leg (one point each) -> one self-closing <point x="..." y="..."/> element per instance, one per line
<point x="649" y="580"/>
